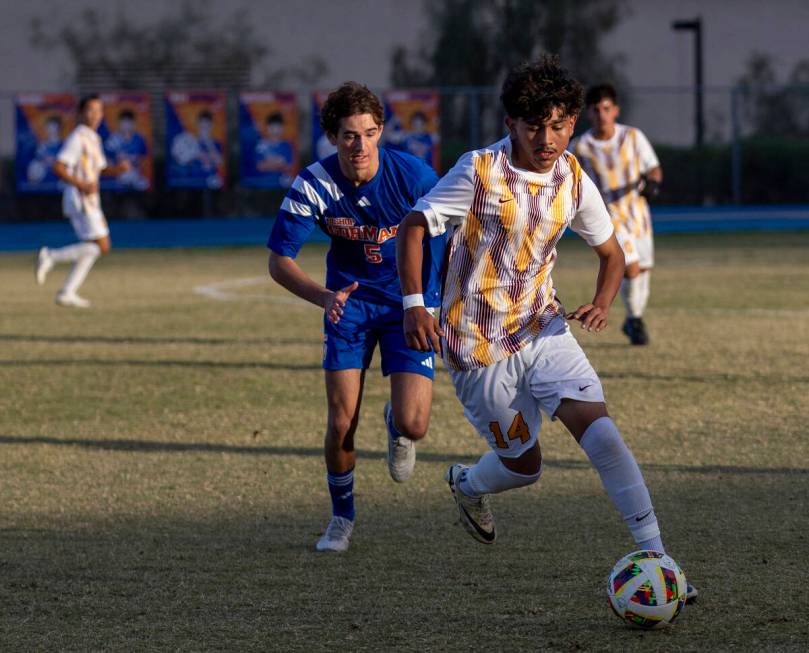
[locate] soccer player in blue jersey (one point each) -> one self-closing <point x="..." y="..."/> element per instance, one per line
<point x="358" y="196"/>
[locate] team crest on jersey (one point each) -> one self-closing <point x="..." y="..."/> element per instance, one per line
<point x="348" y="229"/>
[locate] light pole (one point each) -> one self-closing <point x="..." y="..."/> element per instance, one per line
<point x="695" y="25"/>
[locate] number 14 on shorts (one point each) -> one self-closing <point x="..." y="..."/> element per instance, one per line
<point x="518" y="430"/>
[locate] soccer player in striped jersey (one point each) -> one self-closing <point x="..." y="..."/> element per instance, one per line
<point x="358" y="196"/>
<point x="505" y="337"/>
<point x="624" y="166"/>
<point x="79" y="164"/>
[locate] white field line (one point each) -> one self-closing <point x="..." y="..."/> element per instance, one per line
<point x="221" y="290"/>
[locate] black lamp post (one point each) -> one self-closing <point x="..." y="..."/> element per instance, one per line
<point x="695" y="25"/>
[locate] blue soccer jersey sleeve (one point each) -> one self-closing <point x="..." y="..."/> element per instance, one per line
<point x="297" y="218"/>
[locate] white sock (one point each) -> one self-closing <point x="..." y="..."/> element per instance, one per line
<point x="632" y="294"/>
<point x="644" y="290"/>
<point x="81" y="268"/>
<point x="490" y="476"/>
<point x="622" y="480"/>
<point x="72" y="252"/>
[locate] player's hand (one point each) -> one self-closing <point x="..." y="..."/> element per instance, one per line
<point x="124" y="166"/>
<point x="421" y="330"/>
<point x="87" y="187"/>
<point x="336" y="302"/>
<point x="592" y="318"/>
<point x="649" y="188"/>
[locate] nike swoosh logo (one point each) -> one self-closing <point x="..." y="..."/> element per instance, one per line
<point x="489" y="537"/>
<point x="503" y="200"/>
<point x="642" y="517"/>
<point x="582" y="388"/>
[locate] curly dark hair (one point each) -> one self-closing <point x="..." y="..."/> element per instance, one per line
<point x="351" y="99"/>
<point x="533" y="90"/>
<point x="600" y="92"/>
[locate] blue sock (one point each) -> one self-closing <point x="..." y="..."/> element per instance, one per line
<point x="341" y="489"/>
<point x="393" y="434"/>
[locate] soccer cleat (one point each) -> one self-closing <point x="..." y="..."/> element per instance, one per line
<point x="635" y="330"/>
<point x="71" y="299"/>
<point x="401" y="451"/>
<point x="44" y="265"/>
<point x="337" y="536"/>
<point x="475" y="513"/>
<point x="691" y="593"/>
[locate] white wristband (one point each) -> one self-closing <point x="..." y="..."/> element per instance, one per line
<point x="410" y="301"/>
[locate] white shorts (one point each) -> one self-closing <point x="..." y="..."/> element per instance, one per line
<point x="88" y="226"/>
<point x="503" y="401"/>
<point x="637" y="249"/>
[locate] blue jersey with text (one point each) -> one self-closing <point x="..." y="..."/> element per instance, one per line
<point x="361" y="222"/>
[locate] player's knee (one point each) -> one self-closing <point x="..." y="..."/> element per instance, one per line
<point x="412" y="427"/>
<point x="533" y="478"/>
<point x="605" y="434"/>
<point x="533" y="471"/>
<point x="340" y="427"/>
<point x="527" y="467"/>
<point x="528" y="476"/>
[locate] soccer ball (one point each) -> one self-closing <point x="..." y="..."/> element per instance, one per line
<point x="647" y="589"/>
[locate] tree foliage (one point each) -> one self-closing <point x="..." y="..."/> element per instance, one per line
<point x="772" y="107"/>
<point x="474" y="43"/>
<point x="185" y="46"/>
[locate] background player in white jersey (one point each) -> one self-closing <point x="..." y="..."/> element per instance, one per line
<point x="79" y="164"/>
<point x="505" y="338"/>
<point x="624" y="166"/>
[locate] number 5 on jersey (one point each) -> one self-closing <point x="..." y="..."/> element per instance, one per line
<point x="518" y="429"/>
<point x="373" y="253"/>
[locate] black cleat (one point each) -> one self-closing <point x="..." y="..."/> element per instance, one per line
<point x="635" y="330"/>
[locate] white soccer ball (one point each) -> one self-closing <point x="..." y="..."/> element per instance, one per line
<point x="647" y="589"/>
<point x="185" y="148"/>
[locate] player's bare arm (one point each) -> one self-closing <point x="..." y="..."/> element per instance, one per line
<point x="422" y="332"/>
<point x="118" y="169"/>
<point x="86" y="187"/>
<point x="593" y="316"/>
<point x="655" y="174"/>
<point x="285" y="271"/>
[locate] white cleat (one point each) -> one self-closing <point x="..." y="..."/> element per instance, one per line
<point x="337" y="536"/>
<point x="401" y="452"/>
<point x="72" y="299"/>
<point x="475" y="512"/>
<point x="44" y="265"/>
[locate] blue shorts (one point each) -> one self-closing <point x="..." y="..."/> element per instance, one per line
<point x="350" y="344"/>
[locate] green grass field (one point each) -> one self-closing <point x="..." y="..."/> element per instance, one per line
<point x="162" y="484"/>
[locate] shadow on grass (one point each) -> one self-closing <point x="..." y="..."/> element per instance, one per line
<point x="714" y="377"/>
<point x="718" y="377"/>
<point x="155" y="340"/>
<point x="224" y="365"/>
<point x="247" y="578"/>
<point x="146" y="446"/>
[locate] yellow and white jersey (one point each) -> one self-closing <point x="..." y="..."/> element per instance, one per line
<point x="616" y="166"/>
<point x="498" y="292"/>
<point x="84" y="159"/>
